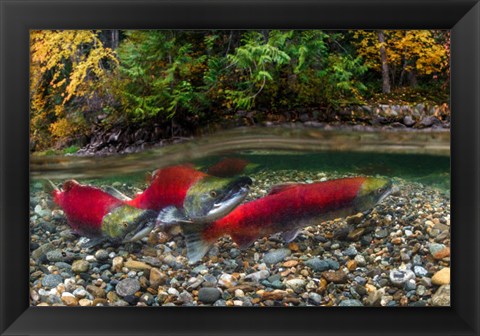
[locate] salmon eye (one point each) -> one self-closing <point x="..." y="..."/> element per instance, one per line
<point x="125" y="224"/>
<point x="213" y="193"/>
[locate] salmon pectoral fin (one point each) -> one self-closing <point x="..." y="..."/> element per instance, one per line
<point x="197" y="246"/>
<point x="289" y="236"/>
<point x="243" y="241"/>
<point x="171" y="215"/>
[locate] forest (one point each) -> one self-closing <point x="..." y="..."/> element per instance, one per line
<point x="85" y="80"/>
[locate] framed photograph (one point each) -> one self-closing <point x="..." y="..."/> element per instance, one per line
<point x="228" y="167"/>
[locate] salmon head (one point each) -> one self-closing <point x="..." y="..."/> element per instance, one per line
<point x="372" y="191"/>
<point x="207" y="200"/>
<point x="127" y="224"/>
<point x="212" y="198"/>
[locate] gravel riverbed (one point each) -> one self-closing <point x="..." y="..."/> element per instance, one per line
<point x="397" y="255"/>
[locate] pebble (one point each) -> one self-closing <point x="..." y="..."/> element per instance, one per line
<point x="101" y="255"/>
<point x="350" y="251"/>
<point x="439" y="251"/>
<point x="258" y="276"/>
<point x="136" y="265"/>
<point x="42" y="250"/>
<point x="127" y="287"/>
<point x="315" y="298"/>
<point x="69" y="300"/>
<point x="350" y="303"/>
<point x="360" y="259"/>
<point x="208" y="294"/>
<point x="335" y="276"/>
<point x="296" y="285"/>
<point x="382" y="233"/>
<point x="52" y="280"/>
<point x="410" y="285"/>
<point x="420" y="271"/>
<point x="226" y="281"/>
<point x="80" y="266"/>
<point x="317" y="265"/>
<point x="333" y="264"/>
<point x="97" y="292"/>
<point x="441" y="277"/>
<point x="398" y="277"/>
<point x="442" y="296"/>
<point x="85" y="302"/>
<point x="157" y="277"/>
<point x="117" y="264"/>
<point x="276" y="256"/>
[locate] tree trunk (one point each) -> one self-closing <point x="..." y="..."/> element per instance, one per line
<point x="383" y="57"/>
<point x="114" y="39"/>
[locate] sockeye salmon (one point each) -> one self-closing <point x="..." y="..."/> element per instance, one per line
<point x="184" y="194"/>
<point x="96" y="214"/>
<point x="286" y="209"/>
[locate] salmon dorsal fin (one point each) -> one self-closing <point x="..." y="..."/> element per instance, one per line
<point x="278" y="188"/>
<point x="69" y="184"/>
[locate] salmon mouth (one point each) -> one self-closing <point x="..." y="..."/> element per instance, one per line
<point x="237" y="192"/>
<point x="146" y="223"/>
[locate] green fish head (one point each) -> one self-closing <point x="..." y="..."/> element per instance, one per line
<point x="372" y="191"/>
<point x="212" y="198"/>
<point x="126" y="223"/>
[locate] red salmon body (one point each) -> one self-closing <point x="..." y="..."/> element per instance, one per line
<point x="169" y="187"/>
<point x="284" y="206"/>
<point x="85" y="206"/>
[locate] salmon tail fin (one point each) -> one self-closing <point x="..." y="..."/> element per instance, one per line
<point x="243" y="241"/>
<point x="197" y="245"/>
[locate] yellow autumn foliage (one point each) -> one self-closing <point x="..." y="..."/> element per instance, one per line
<point x="406" y="49"/>
<point x="66" y="66"/>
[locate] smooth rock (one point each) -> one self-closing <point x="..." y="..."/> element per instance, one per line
<point x="360" y="259"/>
<point x="208" y="294"/>
<point x="97" y="292"/>
<point x="127" y="287"/>
<point x="442" y="296"/>
<point x="52" y="280"/>
<point x="398" y="277"/>
<point x="101" y="255"/>
<point x="420" y="271"/>
<point x="258" y="276"/>
<point x="117" y="264"/>
<point x="350" y="303"/>
<point x="276" y="256"/>
<point x="439" y="251"/>
<point x="80" y="266"/>
<point x="296" y="284"/>
<point x="226" y="281"/>
<point x="351" y="251"/>
<point x="69" y="300"/>
<point x="335" y="277"/>
<point x="136" y="265"/>
<point x="157" y="278"/>
<point x="42" y="250"/>
<point x="442" y="277"/>
<point x="85" y="302"/>
<point x="317" y="265"/>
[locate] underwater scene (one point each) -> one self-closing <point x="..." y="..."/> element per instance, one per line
<point x="254" y="226"/>
<point x="240" y="168"/>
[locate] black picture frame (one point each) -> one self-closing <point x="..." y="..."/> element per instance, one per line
<point x="19" y="16"/>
